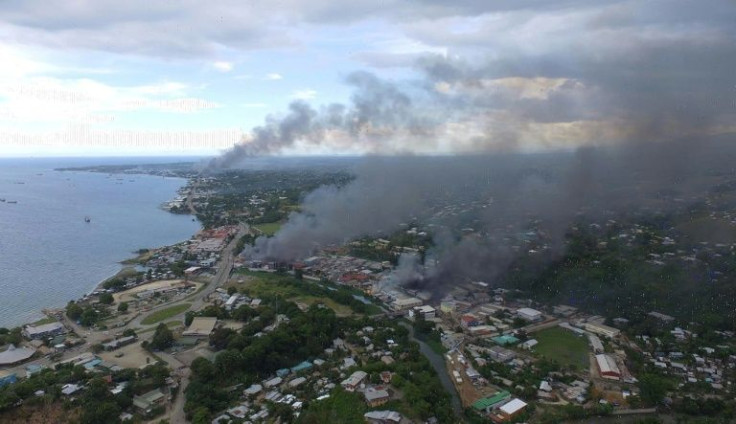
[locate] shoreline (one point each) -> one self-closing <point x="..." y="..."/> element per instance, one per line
<point x="129" y="263"/>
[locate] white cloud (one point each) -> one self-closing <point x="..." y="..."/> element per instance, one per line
<point x="306" y="94"/>
<point x="223" y="66"/>
<point x="274" y="76"/>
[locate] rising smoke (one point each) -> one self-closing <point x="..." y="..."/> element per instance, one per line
<point x="616" y="132"/>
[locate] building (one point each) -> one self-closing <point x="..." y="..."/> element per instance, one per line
<point x="529" y="344"/>
<point x="596" y="343"/>
<point x="602" y="330"/>
<point x="382" y="417"/>
<point x="296" y="382"/>
<point x="201" y="327"/>
<point x="13" y="355"/>
<point x="501" y="354"/>
<point x="426" y="311"/>
<point x="404" y="303"/>
<point x="351" y="383"/>
<point x="607" y="367"/>
<point x="35" y="332"/>
<point x="231" y="302"/>
<point x="118" y="343"/>
<point x="488" y="403"/>
<point x="564" y="310"/>
<point x="7" y="378"/>
<point x="512" y="409"/>
<point x="529" y="314"/>
<point x="272" y="382"/>
<point x="666" y="319"/>
<point x="375" y="396"/>
<point x="147" y="401"/>
<point x="505" y="340"/>
<point x="253" y="390"/>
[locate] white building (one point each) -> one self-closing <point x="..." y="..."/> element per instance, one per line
<point x="529" y="314"/>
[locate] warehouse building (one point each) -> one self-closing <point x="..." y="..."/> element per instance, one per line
<point x="607" y="367"/>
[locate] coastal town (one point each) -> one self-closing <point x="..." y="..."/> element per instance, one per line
<point x="202" y="332"/>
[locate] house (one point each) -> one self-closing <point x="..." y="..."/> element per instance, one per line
<point x="147" y="401"/>
<point x="382" y="417"/>
<point x="564" y="310"/>
<point x="272" y="382"/>
<point x="69" y="389"/>
<point x="253" y="390"/>
<point x="7" y="378"/>
<point x="35" y="332"/>
<point x="665" y="319"/>
<point x="607" y="367"/>
<point x="200" y="327"/>
<point x="296" y="382"/>
<point x="529" y="314"/>
<point x="375" y="396"/>
<point x="529" y="344"/>
<point x="351" y="383"/>
<point x="500" y="354"/>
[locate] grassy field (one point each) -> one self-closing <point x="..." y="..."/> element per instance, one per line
<point x="265" y="284"/>
<point x="47" y="320"/>
<point x="563" y="346"/>
<point x="340" y="310"/>
<point x="268" y="229"/>
<point x="170" y="324"/>
<point x="165" y="313"/>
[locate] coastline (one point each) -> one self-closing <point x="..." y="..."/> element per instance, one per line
<point x="122" y="265"/>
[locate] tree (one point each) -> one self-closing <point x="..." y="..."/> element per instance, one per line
<point x="652" y="388"/>
<point x="73" y="311"/>
<point x="231" y="290"/>
<point x="123" y="307"/>
<point x="299" y="274"/>
<point x="107" y="299"/>
<point x="163" y="338"/>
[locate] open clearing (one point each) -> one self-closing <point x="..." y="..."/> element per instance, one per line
<point x="562" y="346"/>
<point x="165" y="313"/>
<point x="134" y="356"/>
<point x="268" y="229"/>
<point x="128" y="295"/>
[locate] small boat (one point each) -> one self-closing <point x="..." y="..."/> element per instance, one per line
<point x="87" y="219"/>
<point x="12" y="201"/>
<point x="2" y="200"/>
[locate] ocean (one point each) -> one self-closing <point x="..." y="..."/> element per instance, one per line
<point x="50" y="255"/>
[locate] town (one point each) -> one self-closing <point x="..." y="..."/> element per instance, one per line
<point x="202" y="332"/>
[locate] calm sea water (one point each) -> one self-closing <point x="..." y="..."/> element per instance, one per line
<point x="49" y="255"/>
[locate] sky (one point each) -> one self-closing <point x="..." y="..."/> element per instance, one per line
<point x="362" y="77"/>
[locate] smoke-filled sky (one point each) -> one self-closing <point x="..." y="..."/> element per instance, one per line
<point x="328" y="77"/>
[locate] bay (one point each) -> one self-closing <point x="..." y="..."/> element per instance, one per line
<point x="50" y="255"/>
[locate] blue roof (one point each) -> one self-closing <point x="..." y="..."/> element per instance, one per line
<point x="282" y="372"/>
<point x="303" y="366"/>
<point x="93" y="363"/>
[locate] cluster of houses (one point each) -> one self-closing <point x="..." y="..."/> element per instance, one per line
<point x="290" y="386"/>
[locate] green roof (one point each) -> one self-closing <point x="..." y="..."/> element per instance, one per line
<point x="505" y="340"/>
<point x="485" y="403"/>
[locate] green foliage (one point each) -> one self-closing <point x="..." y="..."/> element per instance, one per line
<point x="166" y="313"/>
<point x="653" y="388"/>
<point x="340" y="407"/>
<point x="123" y="307"/>
<point x="107" y="299"/>
<point x="163" y="338"/>
<point x="73" y="311"/>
